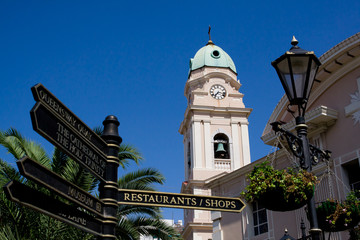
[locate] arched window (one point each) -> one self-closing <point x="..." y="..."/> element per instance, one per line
<point x="221" y="146"/>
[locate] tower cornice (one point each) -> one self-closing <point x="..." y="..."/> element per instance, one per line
<point x="203" y="75"/>
<point x="210" y="110"/>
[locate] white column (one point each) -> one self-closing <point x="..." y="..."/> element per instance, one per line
<point x="245" y="142"/>
<point x="236" y="158"/>
<point x="197" y="145"/>
<point x="208" y="149"/>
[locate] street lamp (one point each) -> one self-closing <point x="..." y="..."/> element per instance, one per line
<point x="297" y="69"/>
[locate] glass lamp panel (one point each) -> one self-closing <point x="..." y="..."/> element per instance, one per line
<point x="313" y="70"/>
<point x="299" y="66"/>
<point x="285" y="77"/>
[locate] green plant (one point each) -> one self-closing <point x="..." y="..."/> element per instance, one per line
<point x="279" y="190"/>
<point x="334" y="215"/>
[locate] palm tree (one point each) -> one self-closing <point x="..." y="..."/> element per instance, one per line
<point x="18" y="222"/>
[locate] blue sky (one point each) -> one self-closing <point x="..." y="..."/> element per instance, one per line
<point x="131" y="59"/>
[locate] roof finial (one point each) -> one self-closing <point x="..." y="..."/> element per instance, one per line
<point x="209" y="42"/>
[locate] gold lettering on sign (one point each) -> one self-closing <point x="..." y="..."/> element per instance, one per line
<point x="98" y="207"/>
<point x="76" y="219"/>
<point x="179" y="200"/>
<point x="220" y="203"/>
<point x="83" y="198"/>
<point x="65" y="114"/>
<point x="77" y="147"/>
<point x="173" y="201"/>
<point x="126" y="197"/>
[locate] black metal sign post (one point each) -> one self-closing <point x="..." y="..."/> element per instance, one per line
<point x="54" y="121"/>
<point x="108" y="189"/>
<point x="172" y="200"/>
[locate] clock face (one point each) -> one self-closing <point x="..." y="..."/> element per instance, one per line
<point x="218" y="92"/>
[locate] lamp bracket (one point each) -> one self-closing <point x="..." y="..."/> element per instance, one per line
<point x="295" y="145"/>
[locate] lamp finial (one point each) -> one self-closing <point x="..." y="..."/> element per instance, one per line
<point x="294" y="42"/>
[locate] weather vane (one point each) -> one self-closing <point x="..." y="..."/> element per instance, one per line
<point x="209" y="33"/>
<point x="209" y="42"/>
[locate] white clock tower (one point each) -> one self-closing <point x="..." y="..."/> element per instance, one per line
<point x="215" y="130"/>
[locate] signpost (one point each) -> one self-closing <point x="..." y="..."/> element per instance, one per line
<point x="172" y="200"/>
<point x="47" y="178"/>
<point x="54" y="121"/>
<point x="43" y="203"/>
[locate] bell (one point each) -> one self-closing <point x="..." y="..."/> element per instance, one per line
<point x="220" y="148"/>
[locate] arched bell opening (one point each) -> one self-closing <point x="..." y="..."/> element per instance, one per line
<point x="221" y="146"/>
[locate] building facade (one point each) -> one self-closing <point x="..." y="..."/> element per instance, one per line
<point x="333" y="119"/>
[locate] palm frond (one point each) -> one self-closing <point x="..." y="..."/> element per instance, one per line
<point x="8" y="173"/>
<point x="59" y="160"/>
<point x="98" y="130"/>
<point x="37" y="153"/>
<point x="133" y="210"/>
<point x="126" y="230"/>
<point x="12" y="144"/>
<point x="19" y="146"/>
<point x="7" y="233"/>
<point x="155" y="227"/>
<point x="142" y="179"/>
<point x="76" y="174"/>
<point x="128" y="153"/>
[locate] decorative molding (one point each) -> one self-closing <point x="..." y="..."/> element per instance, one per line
<point x="321" y="115"/>
<point x="338" y="47"/>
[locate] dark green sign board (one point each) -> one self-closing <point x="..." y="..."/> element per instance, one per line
<point x="40" y="202"/>
<point x="41" y="94"/>
<point x="55" y="130"/>
<point x="44" y="176"/>
<point x="172" y="200"/>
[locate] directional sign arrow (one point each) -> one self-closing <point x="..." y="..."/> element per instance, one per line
<point x="41" y="94"/>
<point x="59" y="133"/>
<point x="44" y="176"/>
<point x="41" y="202"/>
<point x="173" y="200"/>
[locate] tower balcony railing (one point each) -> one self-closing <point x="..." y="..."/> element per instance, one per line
<point x="222" y="164"/>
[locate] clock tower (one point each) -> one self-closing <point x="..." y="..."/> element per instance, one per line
<point x="215" y="130"/>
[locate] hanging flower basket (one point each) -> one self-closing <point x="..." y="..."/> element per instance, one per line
<point x="279" y="190"/>
<point x="335" y="216"/>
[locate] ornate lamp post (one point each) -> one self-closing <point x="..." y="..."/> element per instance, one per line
<point x="297" y="69"/>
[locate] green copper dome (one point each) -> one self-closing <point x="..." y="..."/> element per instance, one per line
<point x="211" y="56"/>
